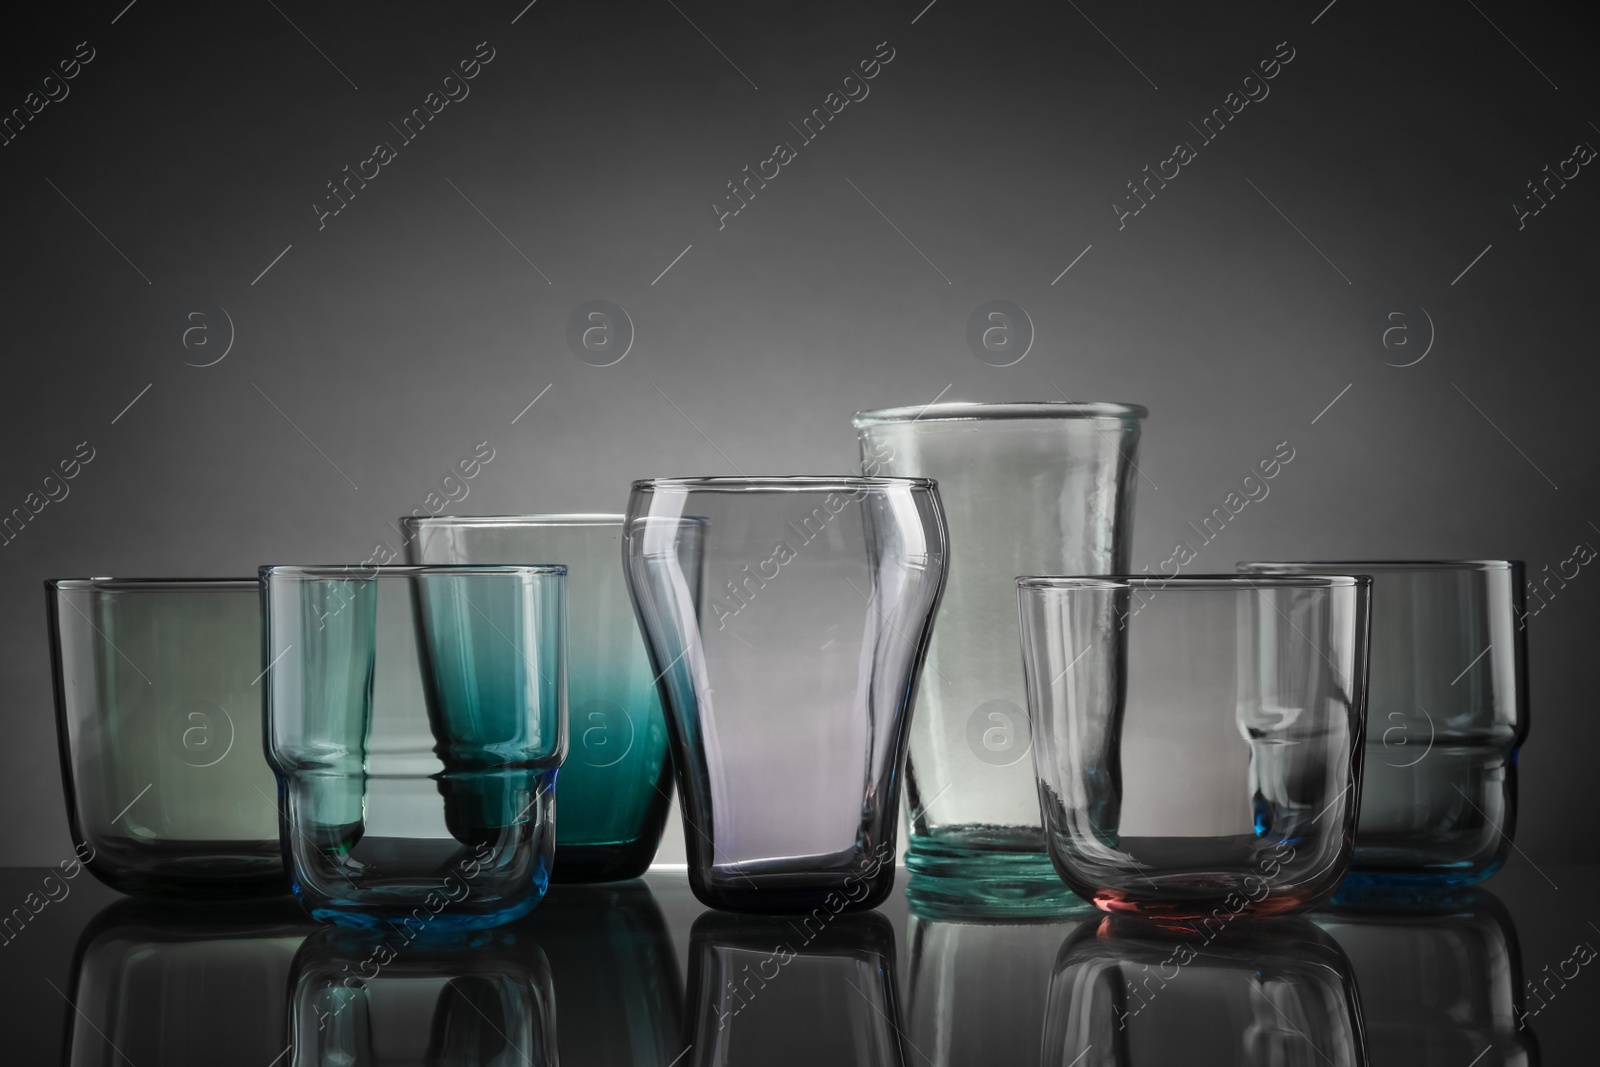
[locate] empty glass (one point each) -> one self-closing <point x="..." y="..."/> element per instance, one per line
<point x="1039" y="488"/>
<point x="368" y="998"/>
<point x="1198" y="738"/>
<point x="616" y="783"/>
<point x="814" y="990"/>
<point x="788" y="684"/>
<point x="1127" y="993"/>
<point x="160" y="719"/>
<point x="416" y="721"/>
<point x="1448" y="710"/>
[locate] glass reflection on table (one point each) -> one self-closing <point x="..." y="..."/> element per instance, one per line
<point x="364" y="998"/>
<point x="1128" y="992"/>
<point x="978" y="988"/>
<point x="175" y="984"/>
<point x="1440" y="974"/>
<point x="619" y="995"/>
<point x="806" y="989"/>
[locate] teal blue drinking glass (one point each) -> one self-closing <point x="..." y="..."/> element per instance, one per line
<point x="616" y="785"/>
<point x="416" y="721"/>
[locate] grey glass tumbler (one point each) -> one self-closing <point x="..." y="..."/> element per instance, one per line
<point x="1447" y="712"/>
<point x="160" y="721"/>
<point x="1041" y="488"/>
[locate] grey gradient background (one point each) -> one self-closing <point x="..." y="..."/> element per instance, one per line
<point x="411" y="327"/>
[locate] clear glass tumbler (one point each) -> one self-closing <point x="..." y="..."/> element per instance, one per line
<point x="1447" y="712"/>
<point x="416" y="722"/>
<point x="160" y="718"/>
<point x="616" y="784"/>
<point x="1042" y="488"/>
<point x="788" y="683"/>
<point x="1128" y="993"/>
<point x="1198" y="738"/>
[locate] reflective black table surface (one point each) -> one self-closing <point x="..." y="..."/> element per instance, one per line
<point x="640" y="973"/>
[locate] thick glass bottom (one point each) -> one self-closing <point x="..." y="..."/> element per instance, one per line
<point x="190" y="870"/>
<point x="577" y="864"/>
<point x="990" y="872"/>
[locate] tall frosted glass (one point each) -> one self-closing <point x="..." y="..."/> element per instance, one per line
<point x="1027" y="489"/>
<point x="160" y="722"/>
<point x="1447" y="712"/>
<point x="616" y="785"/>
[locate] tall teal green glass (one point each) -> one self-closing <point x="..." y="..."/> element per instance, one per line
<point x="616" y="785"/>
<point x="416" y="720"/>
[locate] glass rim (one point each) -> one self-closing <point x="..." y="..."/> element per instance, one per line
<point x="143" y="585"/>
<point x="1240" y="582"/>
<point x="360" y="571"/>
<point x="1304" y="566"/>
<point x="575" y="518"/>
<point x="970" y="410"/>
<point x="813" y="483"/>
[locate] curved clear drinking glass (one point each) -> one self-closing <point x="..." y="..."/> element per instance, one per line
<point x="416" y="718"/>
<point x="1198" y="738"/>
<point x="1448" y="710"/>
<point x="616" y="784"/>
<point x="1044" y="488"/>
<point x="167" y="790"/>
<point x="788" y="684"/>
<point x="1127" y="993"/>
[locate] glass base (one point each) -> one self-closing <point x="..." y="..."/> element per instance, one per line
<point x="579" y="864"/>
<point x="985" y="873"/>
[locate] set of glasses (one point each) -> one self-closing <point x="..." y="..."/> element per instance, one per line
<point x="389" y="743"/>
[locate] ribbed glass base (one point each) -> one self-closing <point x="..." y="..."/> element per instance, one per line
<point x="985" y="873"/>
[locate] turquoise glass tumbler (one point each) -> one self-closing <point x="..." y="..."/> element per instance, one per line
<point x="416" y="720"/>
<point x="616" y="785"/>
